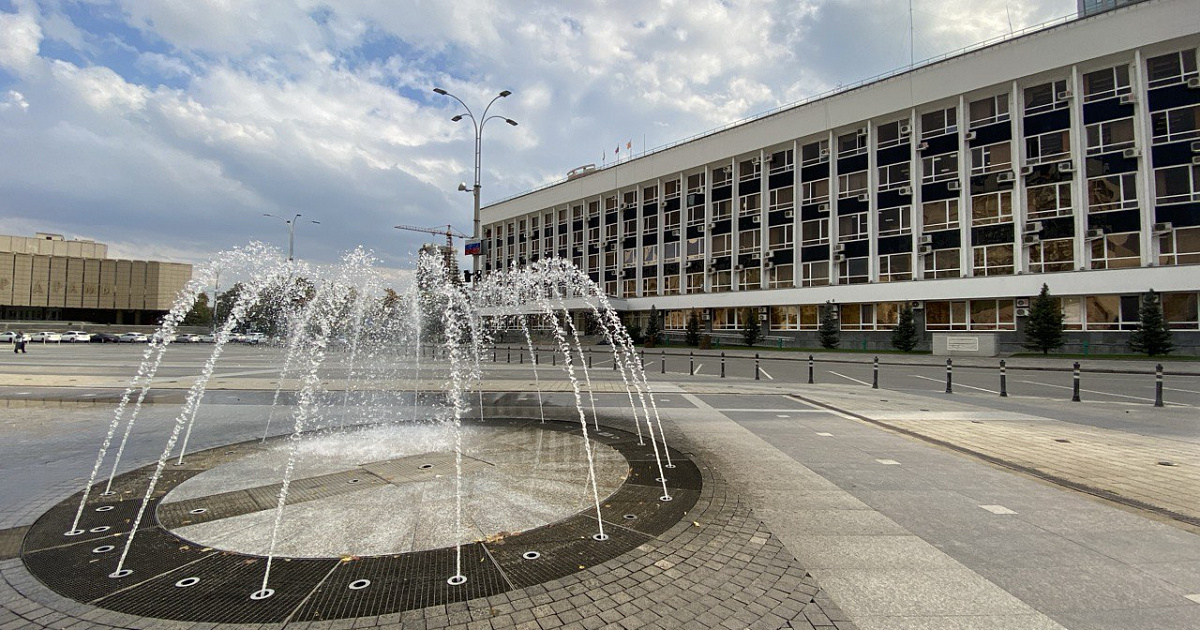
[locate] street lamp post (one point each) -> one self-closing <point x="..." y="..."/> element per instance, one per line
<point x="291" y="223"/>
<point x="477" y="124"/>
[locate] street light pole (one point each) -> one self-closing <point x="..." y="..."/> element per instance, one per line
<point x="291" y="223"/>
<point x="477" y="124"/>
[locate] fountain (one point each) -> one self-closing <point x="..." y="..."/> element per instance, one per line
<point x="390" y="483"/>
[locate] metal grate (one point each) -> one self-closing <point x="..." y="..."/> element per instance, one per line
<point x="566" y="547"/>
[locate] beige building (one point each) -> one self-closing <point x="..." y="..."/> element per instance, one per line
<point x="47" y="277"/>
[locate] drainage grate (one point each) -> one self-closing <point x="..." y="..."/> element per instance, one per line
<point x="683" y="476"/>
<point x="651" y="516"/>
<point x="566" y="547"/>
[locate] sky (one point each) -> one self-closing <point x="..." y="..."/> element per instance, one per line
<point x="168" y="128"/>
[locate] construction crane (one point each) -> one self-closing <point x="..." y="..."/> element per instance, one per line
<point x="448" y="254"/>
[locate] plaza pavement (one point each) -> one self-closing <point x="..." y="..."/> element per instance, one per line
<point x="908" y="510"/>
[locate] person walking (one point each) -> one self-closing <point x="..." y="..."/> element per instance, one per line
<point x="19" y="343"/>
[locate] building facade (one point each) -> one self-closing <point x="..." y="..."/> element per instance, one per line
<point x="49" y="278"/>
<point x="1068" y="156"/>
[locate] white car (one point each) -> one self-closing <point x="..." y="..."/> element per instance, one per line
<point x="46" y="336"/>
<point x="8" y="336"/>
<point x="133" y="337"/>
<point x="73" y="336"/>
<point x="208" y="338"/>
<point x="187" y="339"/>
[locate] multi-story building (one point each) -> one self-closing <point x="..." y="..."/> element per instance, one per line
<point x="47" y="277"/>
<point x="1068" y="156"/>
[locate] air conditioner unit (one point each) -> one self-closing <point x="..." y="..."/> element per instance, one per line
<point x="917" y="305"/>
<point x="1031" y="239"/>
<point x="705" y="315"/>
<point x="921" y="146"/>
<point x="970" y="135"/>
<point x="1094" y="234"/>
<point x="925" y="250"/>
<point x="1064" y="95"/>
<point x="1162" y="228"/>
<point x="839" y="257"/>
<point x="1195" y="146"/>
<point x="767" y="158"/>
<point x="1005" y="176"/>
<point x="738" y="267"/>
<point x="1026" y="171"/>
<point x="862" y="131"/>
<point x="1022" y="312"/>
<point x="1033" y="227"/>
<point x="953" y="185"/>
<point x="1066" y="167"/>
<point x="712" y="226"/>
<point x="925" y="239"/>
<point x="863" y="197"/>
<point x="768" y="264"/>
<point x="1194" y="83"/>
<point x="905" y="190"/>
<point x="1022" y="302"/>
<point x="905" y="130"/>
<point x="840" y="247"/>
<point x="824" y="153"/>
<point x="823" y="207"/>
<point x="754" y="161"/>
<point x="789" y="214"/>
<point x="1131" y="153"/>
<point x="701" y="228"/>
<point x="755" y="219"/>
<point x="1196" y="160"/>
<point x="674" y="232"/>
<point x="1128" y="99"/>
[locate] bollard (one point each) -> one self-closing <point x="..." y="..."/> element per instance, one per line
<point x="616" y="356"/>
<point x="643" y="359"/>
<point x="756" y="367"/>
<point x="494" y="350"/>
<point x="553" y="358"/>
<point x="691" y="363"/>
<point x="810" y="369"/>
<point x="663" y="366"/>
<point x="722" y="364"/>
<point x="1003" y="380"/>
<point x="875" y="374"/>
<point x="1158" y="402"/>
<point x="1075" y="385"/>
<point x="521" y="356"/>
<point x="589" y="358"/>
<point x="949" y="376"/>
<point x="508" y="355"/>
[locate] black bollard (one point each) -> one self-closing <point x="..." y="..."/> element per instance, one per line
<point x="810" y="369"/>
<point x="521" y="356"/>
<point x="1003" y="380"/>
<point x="508" y="355"/>
<point x="691" y="363"/>
<point x="949" y="376"/>
<point x="757" y="369"/>
<point x="589" y="358"/>
<point x="643" y="359"/>
<point x="663" y="367"/>
<point x="1075" y="384"/>
<point x="722" y="364"/>
<point x="616" y="355"/>
<point x="1158" y="384"/>
<point x="875" y="374"/>
<point x="494" y="350"/>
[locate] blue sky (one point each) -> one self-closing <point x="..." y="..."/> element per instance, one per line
<point x="166" y="128"/>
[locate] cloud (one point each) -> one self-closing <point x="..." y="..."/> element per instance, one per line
<point x="20" y="39"/>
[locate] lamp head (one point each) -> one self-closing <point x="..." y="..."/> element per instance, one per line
<point x="505" y="93"/>
<point x="510" y="121"/>
<point x="438" y="90"/>
<point x="462" y="186"/>
<point x="456" y="118"/>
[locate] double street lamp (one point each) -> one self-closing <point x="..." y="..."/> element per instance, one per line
<point x="291" y="223"/>
<point x="478" y="124"/>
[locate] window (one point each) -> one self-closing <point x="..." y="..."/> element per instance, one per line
<point x="814" y="153"/>
<point x="1179" y="309"/>
<point x="671" y="189"/>
<point x="814" y="273"/>
<point x="695" y="183"/>
<point x="670" y="284"/>
<point x="852" y="143"/>
<point x="943" y="263"/>
<point x="970" y="315"/>
<point x="1179" y="247"/>
<point x="993" y="260"/>
<point x="852" y="184"/>
<point x="854" y="271"/>
<point x="1112" y="192"/>
<point x="892" y="134"/>
<point x="1051" y="200"/>
<point x="671" y="252"/>
<point x="750" y="279"/>
<point x="782" y="161"/>
<point x="650" y="286"/>
<point x="721" y="244"/>
<point x="750" y="205"/>
<point x="671" y="220"/>
<point x="1106" y="83"/>
<point x="593" y="234"/>
<point x="895" y="267"/>
<point x="1171" y="69"/>
<point x="610" y="231"/>
<point x="939" y="168"/>
<point x="894" y="176"/>
<point x="780" y="276"/>
<point x="852" y="227"/>
<point x="610" y="260"/>
<point x="695" y="215"/>
<point x="881" y="316"/>
<point x="780" y="236"/>
<point x="675" y="320"/>
<point x="1109" y="136"/>
<point x="991" y="208"/>
<point x="1116" y="251"/>
<point x="940" y="122"/>
<point x="1048" y="147"/>
<point x="722" y="175"/>
<point x="577" y="212"/>
<point x="629" y="257"/>
<point x="1054" y="255"/>
<point x="804" y="317"/>
<point x="893" y="221"/>
<point x="781" y="199"/>
<point x="749" y="241"/>
<point x="991" y="158"/>
<point x="725" y="319"/>
<point x="816" y="191"/>
<point x="939" y="215"/>
<point x="649" y="194"/>
<point x="989" y="110"/>
<point x="629" y="227"/>
<point x="695" y="282"/>
<point x="695" y="248"/>
<point x="650" y="255"/>
<point x="749" y="169"/>
<point x="722" y="281"/>
<point x="610" y="288"/>
<point x="814" y="231"/>
<point x="1174" y="125"/>
<point x="1112" y="312"/>
<point x="629" y="287"/>
<point x="1046" y="97"/>
<point x="722" y="209"/>
<point x="1177" y="184"/>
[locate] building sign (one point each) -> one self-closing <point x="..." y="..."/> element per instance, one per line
<point x="962" y="343"/>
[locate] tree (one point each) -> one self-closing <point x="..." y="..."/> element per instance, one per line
<point x="653" y="329"/>
<point x="693" y="328"/>
<point x="201" y="313"/>
<point x="1044" y="329"/>
<point x="829" y="332"/>
<point x="904" y="335"/>
<point x="751" y="330"/>
<point x="1152" y="336"/>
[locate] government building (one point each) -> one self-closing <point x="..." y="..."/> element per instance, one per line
<point x="1068" y="155"/>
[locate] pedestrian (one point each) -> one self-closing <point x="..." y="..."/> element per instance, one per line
<point x="19" y="343"/>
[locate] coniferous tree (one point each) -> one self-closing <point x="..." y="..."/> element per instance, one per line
<point x="904" y="335"/>
<point x="652" y="327"/>
<point x="201" y="313"/>
<point x="1044" y="328"/>
<point x="751" y="329"/>
<point x="830" y="332"/>
<point x="693" y="328"/>
<point x="1152" y="336"/>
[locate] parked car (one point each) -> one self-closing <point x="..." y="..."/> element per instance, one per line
<point x="8" y="336"/>
<point x="103" y="337"/>
<point x="46" y="336"/>
<point x="74" y="336"/>
<point x="133" y="337"/>
<point x="187" y="339"/>
<point x="208" y="338"/>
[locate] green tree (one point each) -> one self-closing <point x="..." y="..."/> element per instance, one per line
<point x="829" y="333"/>
<point x="693" y="328"/>
<point x="1152" y="336"/>
<point x="904" y="335"/>
<point x="201" y="313"/>
<point x="1044" y="328"/>
<point x="653" y="329"/>
<point x="752" y="332"/>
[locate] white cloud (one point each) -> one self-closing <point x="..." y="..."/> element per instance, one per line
<point x="20" y="39"/>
